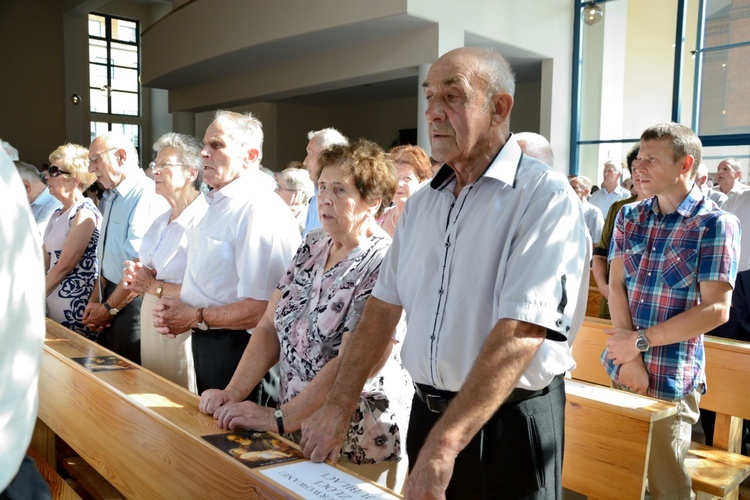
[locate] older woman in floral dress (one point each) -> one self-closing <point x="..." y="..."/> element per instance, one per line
<point x="315" y="306"/>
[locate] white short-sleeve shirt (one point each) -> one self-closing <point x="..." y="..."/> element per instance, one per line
<point x="164" y="246"/>
<point x="513" y="245"/>
<point x="242" y="246"/>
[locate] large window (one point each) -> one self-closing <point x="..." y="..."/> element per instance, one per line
<point x="114" y="69"/>
<point x="647" y="62"/>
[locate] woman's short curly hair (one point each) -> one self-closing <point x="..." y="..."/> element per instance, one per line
<point x="371" y="169"/>
<point x="415" y="157"/>
<point x="74" y="159"/>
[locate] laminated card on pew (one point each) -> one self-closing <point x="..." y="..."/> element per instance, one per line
<point x="255" y="449"/>
<point x="321" y="481"/>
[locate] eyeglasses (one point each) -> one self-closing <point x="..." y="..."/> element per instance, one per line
<point x="54" y="171"/>
<point x="280" y="188"/>
<point x="96" y="158"/>
<point x="158" y="167"/>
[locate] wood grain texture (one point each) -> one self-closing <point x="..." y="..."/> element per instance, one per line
<point x="58" y="488"/>
<point x="139" y="431"/>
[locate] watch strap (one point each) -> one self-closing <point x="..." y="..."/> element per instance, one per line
<point x="279" y="416"/>
<point x="109" y="309"/>
<point x="201" y="322"/>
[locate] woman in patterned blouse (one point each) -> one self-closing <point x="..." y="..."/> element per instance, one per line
<point x="316" y="305"/>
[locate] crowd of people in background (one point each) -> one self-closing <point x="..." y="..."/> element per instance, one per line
<point x="361" y="294"/>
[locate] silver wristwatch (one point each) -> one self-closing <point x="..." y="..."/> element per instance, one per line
<point x="641" y="342"/>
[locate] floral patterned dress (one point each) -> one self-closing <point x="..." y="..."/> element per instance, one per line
<point x="67" y="302"/>
<point x="316" y="309"/>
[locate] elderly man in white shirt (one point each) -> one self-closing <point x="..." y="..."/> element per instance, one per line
<point x="489" y="261"/>
<point x="611" y="190"/>
<point x="591" y="214"/>
<point x="43" y="204"/>
<point x="236" y="256"/>
<point x="729" y="177"/>
<point x="701" y="180"/>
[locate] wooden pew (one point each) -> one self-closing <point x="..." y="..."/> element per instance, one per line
<point x="599" y="461"/>
<point x="716" y="470"/>
<point x="138" y="430"/>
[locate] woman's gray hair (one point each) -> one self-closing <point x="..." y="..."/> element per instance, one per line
<point x="188" y="148"/>
<point x="298" y="180"/>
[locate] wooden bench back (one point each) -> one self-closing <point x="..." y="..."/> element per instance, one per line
<point x="727" y="368"/>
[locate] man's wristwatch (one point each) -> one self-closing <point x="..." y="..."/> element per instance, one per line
<point x="202" y="325"/>
<point x="279" y="416"/>
<point x="160" y="290"/>
<point x="641" y="342"/>
<point x="111" y="310"/>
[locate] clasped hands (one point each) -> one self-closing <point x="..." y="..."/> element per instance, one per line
<point x="231" y="413"/>
<point x="621" y="349"/>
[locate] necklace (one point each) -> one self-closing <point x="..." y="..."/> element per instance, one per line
<point x="393" y="217"/>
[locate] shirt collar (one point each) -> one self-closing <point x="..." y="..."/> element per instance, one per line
<point x="42" y="198"/>
<point x="686" y="208"/>
<point x="503" y="168"/>
<point x="129" y="183"/>
<point x="238" y="188"/>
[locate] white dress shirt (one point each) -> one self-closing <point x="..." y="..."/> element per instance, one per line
<point x="164" y="246"/>
<point x="242" y="247"/>
<point x="604" y="199"/>
<point x="739" y="205"/>
<point x="43" y="208"/>
<point x="512" y="245"/>
<point x="594" y="220"/>
<point x="22" y="297"/>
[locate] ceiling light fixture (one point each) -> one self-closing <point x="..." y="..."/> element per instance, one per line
<point x="592" y="13"/>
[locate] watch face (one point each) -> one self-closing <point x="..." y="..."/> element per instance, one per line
<point x="202" y="326"/>
<point x="113" y="311"/>
<point x="642" y="343"/>
<point x="278" y="413"/>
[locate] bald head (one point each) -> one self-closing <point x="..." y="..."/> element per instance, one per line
<point x="536" y="146"/>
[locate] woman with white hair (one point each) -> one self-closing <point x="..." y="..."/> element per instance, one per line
<point x="70" y="239"/>
<point x="295" y="188"/>
<point x="178" y="175"/>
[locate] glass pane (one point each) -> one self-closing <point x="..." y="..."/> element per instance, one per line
<point x="592" y="157"/>
<point x="130" y="131"/>
<point x="123" y="30"/>
<point x="99" y="102"/>
<point x="125" y="79"/>
<point x="97" y="129"/>
<point x="97" y="75"/>
<point x="623" y="92"/>
<point x="97" y="51"/>
<point x="97" y="26"/>
<point x="726" y="22"/>
<point x="124" y="103"/>
<point x="712" y="157"/>
<point x="725" y="86"/>
<point x="125" y="55"/>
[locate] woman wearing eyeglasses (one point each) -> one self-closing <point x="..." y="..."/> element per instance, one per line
<point x="178" y="174"/>
<point x="70" y="239"/>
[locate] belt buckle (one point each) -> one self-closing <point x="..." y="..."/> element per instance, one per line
<point x="436" y="404"/>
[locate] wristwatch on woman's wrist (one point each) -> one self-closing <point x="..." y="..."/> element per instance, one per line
<point x="111" y="310"/>
<point x="279" y="416"/>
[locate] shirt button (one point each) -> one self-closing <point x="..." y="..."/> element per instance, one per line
<point x="641" y="300"/>
<point x="678" y="258"/>
<point x="653" y="249"/>
<point x="447" y="244"/>
<point x="649" y="274"/>
<point x="440" y="291"/>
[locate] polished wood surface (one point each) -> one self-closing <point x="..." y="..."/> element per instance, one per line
<point x="716" y="470"/>
<point x="58" y="488"/>
<point x="607" y="440"/>
<point x="138" y="430"/>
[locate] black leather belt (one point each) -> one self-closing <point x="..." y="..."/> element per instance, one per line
<point x="437" y="400"/>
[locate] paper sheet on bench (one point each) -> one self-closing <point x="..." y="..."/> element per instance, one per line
<point x="311" y="480"/>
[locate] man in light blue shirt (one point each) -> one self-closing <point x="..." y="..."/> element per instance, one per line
<point x="43" y="204"/>
<point x="320" y="140"/>
<point x="129" y="206"/>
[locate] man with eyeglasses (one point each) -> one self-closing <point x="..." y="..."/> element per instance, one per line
<point x="236" y="256"/>
<point x="130" y="205"/>
<point x="43" y="204"/>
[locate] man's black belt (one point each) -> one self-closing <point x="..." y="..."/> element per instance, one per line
<point x="437" y="400"/>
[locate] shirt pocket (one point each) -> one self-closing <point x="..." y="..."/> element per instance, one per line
<point x="632" y="258"/>
<point x="218" y="260"/>
<point x="679" y="267"/>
